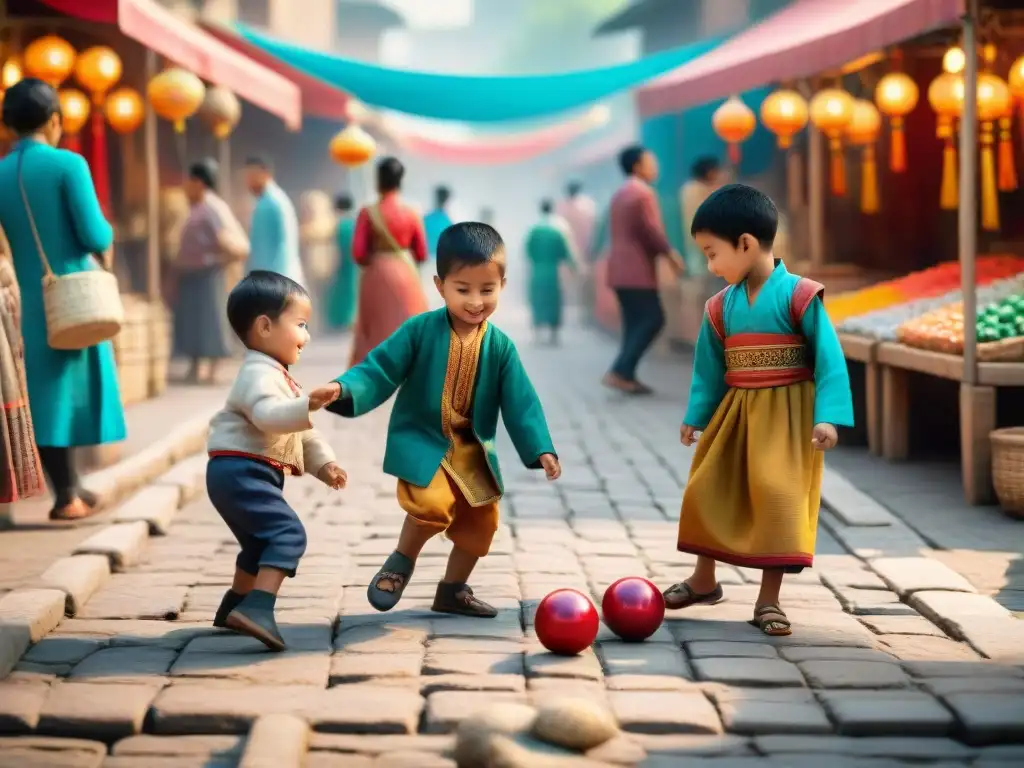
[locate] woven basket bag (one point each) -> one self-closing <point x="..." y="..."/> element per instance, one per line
<point x="83" y="308"/>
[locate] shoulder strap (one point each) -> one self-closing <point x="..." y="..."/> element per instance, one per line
<point x="803" y="294"/>
<point x="47" y="271"/>
<point x="715" y="308"/>
<point x="377" y="220"/>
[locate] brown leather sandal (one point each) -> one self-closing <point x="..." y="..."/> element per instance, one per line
<point x="772" y="620"/>
<point x="682" y="595"/>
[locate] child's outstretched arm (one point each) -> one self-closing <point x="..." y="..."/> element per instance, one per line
<point x="833" y="402"/>
<point x="707" y="382"/>
<point x="270" y="410"/>
<point x="524" y="416"/>
<point x="371" y="382"/>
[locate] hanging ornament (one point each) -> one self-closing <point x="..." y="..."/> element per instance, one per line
<point x="74" y="110"/>
<point x="946" y="97"/>
<point x="831" y="111"/>
<point x="352" y="147"/>
<point x="734" y="122"/>
<point x="784" y="113"/>
<point x="221" y="111"/>
<point x="49" y="58"/>
<point x="1007" y="168"/>
<point x="954" y="60"/>
<point x="994" y="102"/>
<point x="124" y="110"/>
<point x="863" y="131"/>
<point x="11" y="72"/>
<point x="896" y="96"/>
<point x="1015" y="80"/>
<point x="176" y="95"/>
<point x="98" y="69"/>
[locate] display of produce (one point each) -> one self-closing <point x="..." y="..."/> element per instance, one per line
<point x="1002" y="319"/>
<point x="998" y="321"/>
<point x="940" y="281"/>
<point x="885" y="324"/>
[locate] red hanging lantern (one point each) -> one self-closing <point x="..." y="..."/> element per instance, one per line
<point x="734" y="122"/>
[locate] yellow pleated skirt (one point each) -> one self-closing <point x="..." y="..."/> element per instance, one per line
<point x="755" y="483"/>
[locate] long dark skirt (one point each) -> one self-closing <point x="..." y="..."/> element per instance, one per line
<point x="201" y="328"/>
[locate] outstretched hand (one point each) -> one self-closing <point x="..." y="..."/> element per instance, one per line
<point x="332" y="475"/>
<point x="322" y="396"/>
<point x="552" y="468"/>
<point x="688" y="435"/>
<point x="825" y="436"/>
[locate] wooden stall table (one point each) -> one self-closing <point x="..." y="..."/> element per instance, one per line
<point x="977" y="408"/>
<point x="862" y="350"/>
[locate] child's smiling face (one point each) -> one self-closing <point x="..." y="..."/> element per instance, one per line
<point x="284" y="338"/>
<point x="728" y="261"/>
<point x="471" y="293"/>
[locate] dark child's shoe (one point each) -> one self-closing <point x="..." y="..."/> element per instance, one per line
<point x="254" y="616"/>
<point x="682" y="595"/>
<point x="460" y="600"/>
<point x="228" y="603"/>
<point x="390" y="582"/>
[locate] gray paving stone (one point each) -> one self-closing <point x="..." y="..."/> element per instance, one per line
<point x="887" y="713"/>
<point x="851" y="505"/>
<point x="907" y="575"/>
<point x="988" y="718"/>
<point x="924" y="648"/>
<point x="288" y="668"/>
<point x="834" y="653"/>
<point x="169" y="761"/>
<point x="155" y="505"/>
<point x="78" y="578"/>
<point x="946" y="686"/>
<point x="120" y="634"/>
<point x="122" y="544"/>
<point x="704" y="650"/>
<point x="62" y="650"/>
<point x="867" y="746"/>
<point x="901" y="625"/>
<point x="38" y="611"/>
<point x="276" y="741"/>
<point x="628" y="682"/>
<point x="211" y="708"/>
<point x="135" y="598"/>
<point x="541" y="663"/>
<point x="643" y="659"/>
<point x="873" y="602"/>
<point x="664" y="712"/>
<point x="45" y="752"/>
<point x="984" y="670"/>
<point x="511" y="683"/>
<point x="122" y="663"/>
<point x="956" y="611"/>
<point x="854" y="674"/>
<point x="20" y="704"/>
<point x="748" y="671"/>
<point x="361" y="667"/>
<point x="754" y="711"/>
<point x="446" y="709"/>
<point x="473" y="663"/>
<point x="694" y="746"/>
<point x="298" y="638"/>
<point x="169" y="746"/>
<point x="106" y="711"/>
<point x="998" y="639"/>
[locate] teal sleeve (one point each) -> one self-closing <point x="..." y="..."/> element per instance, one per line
<point x="833" y="402"/>
<point x="521" y="410"/>
<point x="91" y="227"/>
<point x="370" y="383"/>
<point x="275" y="229"/>
<point x="707" y="384"/>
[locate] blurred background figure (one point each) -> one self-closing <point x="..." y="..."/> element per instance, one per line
<point x="317" y="229"/>
<point x="548" y="248"/>
<point x="174" y="211"/>
<point x="437" y="220"/>
<point x="274" y="228"/>
<point x="706" y="176"/>
<point x="343" y="295"/>
<point x="580" y="212"/>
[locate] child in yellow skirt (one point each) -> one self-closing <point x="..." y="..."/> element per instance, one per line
<point x="769" y="388"/>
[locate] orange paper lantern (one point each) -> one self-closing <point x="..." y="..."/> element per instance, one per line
<point x="862" y="131"/>
<point x="220" y="110"/>
<point x="11" y="72"/>
<point x="785" y="114"/>
<point x="896" y="96"/>
<point x="49" y="58"/>
<point x="734" y="122"/>
<point x="176" y="95"/>
<point x="98" y="69"/>
<point x="74" y="108"/>
<point x="352" y="147"/>
<point x="124" y="110"/>
<point x="831" y="111"/>
<point x="946" y="97"/>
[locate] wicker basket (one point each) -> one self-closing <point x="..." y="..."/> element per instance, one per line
<point x="1004" y="351"/>
<point x="82" y="309"/>
<point x="1008" y="469"/>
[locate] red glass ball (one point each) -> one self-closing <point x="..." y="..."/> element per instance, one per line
<point x="633" y="608"/>
<point x="566" y="622"/>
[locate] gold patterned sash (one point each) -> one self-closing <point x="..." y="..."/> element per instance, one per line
<point x="762" y="360"/>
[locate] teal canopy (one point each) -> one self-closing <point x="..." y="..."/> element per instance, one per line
<point x="476" y="99"/>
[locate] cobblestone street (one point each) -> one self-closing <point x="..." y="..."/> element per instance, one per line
<point x="899" y="655"/>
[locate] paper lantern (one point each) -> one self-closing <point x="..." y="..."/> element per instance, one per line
<point x="11" y="72"/>
<point x="831" y="111"/>
<point x="946" y="97"/>
<point x="176" y="95"/>
<point x="98" y="69"/>
<point x="896" y="96"/>
<point x="74" y="108"/>
<point x="954" y="60"/>
<point x="734" y="122"/>
<point x="784" y="113"/>
<point x="124" y="110"/>
<point x="221" y="110"/>
<point x="994" y="103"/>
<point x="49" y="58"/>
<point x="862" y="131"/>
<point x="352" y="147"/>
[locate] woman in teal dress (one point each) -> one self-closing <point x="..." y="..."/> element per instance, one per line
<point x="73" y="395"/>
<point x="344" y="293"/>
<point x="548" y="247"/>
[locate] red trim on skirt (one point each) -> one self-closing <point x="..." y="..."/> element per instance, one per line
<point x="750" y="561"/>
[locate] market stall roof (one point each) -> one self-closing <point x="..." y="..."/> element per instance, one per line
<point x="319" y="99"/>
<point x="802" y="39"/>
<point x="155" y="27"/>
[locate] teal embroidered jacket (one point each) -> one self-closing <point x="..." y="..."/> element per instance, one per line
<point x="413" y="360"/>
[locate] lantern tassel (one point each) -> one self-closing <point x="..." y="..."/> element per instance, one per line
<point x="98" y="160"/>
<point x="838" y="170"/>
<point x="1007" y="171"/>
<point x="869" y="182"/>
<point x="949" y="196"/>
<point x="898" y="147"/>
<point x="989" y="191"/>
<point x="734" y="154"/>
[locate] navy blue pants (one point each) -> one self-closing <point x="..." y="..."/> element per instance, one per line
<point x="642" y="321"/>
<point x="247" y="494"/>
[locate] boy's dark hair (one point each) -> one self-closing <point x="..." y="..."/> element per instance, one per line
<point x="441" y="196"/>
<point x="629" y="157"/>
<point x="573" y="188"/>
<point x="389" y="174"/>
<point x="735" y="210"/>
<point x="28" y="105"/>
<point x="343" y="202"/>
<point x="261" y="292"/>
<point x="206" y="171"/>
<point x="259" y="161"/>
<point x="704" y="167"/>
<point x="468" y="244"/>
<point x="546" y="206"/>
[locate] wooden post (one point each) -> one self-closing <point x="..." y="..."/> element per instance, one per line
<point x="816" y="197"/>
<point x="156" y="318"/>
<point x="968" y="211"/>
<point x="977" y="420"/>
<point x="224" y="161"/>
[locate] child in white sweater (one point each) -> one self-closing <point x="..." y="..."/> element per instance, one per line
<point x="262" y="434"/>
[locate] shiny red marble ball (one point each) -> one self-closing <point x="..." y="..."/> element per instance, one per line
<point x="566" y="622"/>
<point x="633" y="608"/>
